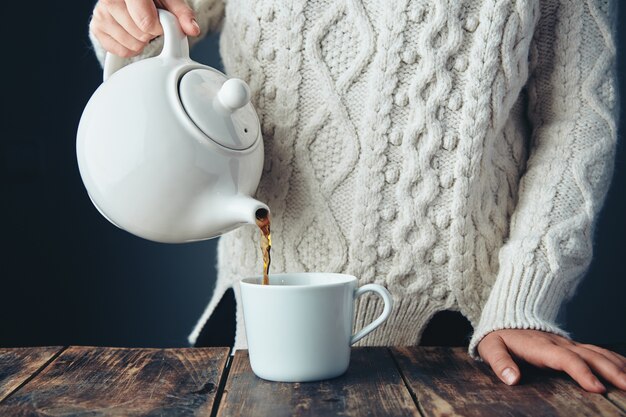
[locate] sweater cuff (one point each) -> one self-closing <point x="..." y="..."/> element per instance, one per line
<point x="97" y="48"/>
<point x="525" y="295"/>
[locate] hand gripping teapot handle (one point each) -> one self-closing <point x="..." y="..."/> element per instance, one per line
<point x="175" y="44"/>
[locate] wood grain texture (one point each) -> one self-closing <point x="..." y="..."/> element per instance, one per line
<point x="616" y="396"/>
<point x="447" y="382"/>
<point x="372" y="386"/>
<point x="18" y="364"/>
<point x="123" y="382"/>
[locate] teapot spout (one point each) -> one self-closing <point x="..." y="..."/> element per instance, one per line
<point x="218" y="215"/>
<point x="244" y="209"/>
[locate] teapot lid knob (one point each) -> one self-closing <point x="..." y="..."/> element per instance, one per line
<point x="220" y="108"/>
<point x="234" y="94"/>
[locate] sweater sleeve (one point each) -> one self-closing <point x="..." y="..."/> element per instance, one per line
<point x="209" y="14"/>
<point x="573" y="107"/>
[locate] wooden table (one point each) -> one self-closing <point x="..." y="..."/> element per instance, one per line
<point x="416" y="381"/>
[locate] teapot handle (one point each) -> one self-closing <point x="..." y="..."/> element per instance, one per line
<point x="175" y="44"/>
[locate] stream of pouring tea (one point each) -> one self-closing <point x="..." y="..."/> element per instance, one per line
<point x="263" y="221"/>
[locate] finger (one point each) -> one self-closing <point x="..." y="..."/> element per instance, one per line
<point x="550" y="355"/>
<point x="119" y="12"/>
<point x="493" y="350"/>
<point x="121" y="36"/>
<point x="602" y="366"/>
<point x="111" y="45"/>
<point x="615" y="357"/>
<point x="145" y="16"/>
<point x="185" y="16"/>
<point x="562" y="359"/>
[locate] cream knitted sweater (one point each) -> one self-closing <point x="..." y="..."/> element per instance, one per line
<point x="457" y="152"/>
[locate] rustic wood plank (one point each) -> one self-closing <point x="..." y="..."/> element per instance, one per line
<point x="19" y="364"/>
<point x="446" y="381"/>
<point x="615" y="395"/>
<point x="372" y="386"/>
<point x="121" y="381"/>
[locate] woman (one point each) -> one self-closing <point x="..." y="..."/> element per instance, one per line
<point x="456" y="152"/>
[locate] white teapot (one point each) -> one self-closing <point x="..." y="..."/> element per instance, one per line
<point x="169" y="149"/>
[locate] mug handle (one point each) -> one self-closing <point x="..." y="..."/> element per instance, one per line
<point x="382" y="293"/>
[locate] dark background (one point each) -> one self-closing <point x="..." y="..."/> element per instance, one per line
<point x="67" y="276"/>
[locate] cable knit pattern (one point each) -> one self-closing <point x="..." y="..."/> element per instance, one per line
<point x="573" y="110"/>
<point x="457" y="152"/>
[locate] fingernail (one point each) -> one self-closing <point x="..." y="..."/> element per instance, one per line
<point x="509" y="376"/>
<point x="195" y="24"/>
<point x="599" y="385"/>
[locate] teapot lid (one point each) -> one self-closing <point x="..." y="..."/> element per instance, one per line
<point x="220" y="107"/>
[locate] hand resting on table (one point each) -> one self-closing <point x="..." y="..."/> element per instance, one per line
<point x="583" y="362"/>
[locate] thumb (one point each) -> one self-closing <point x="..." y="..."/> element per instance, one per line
<point x="184" y="14"/>
<point x="493" y="350"/>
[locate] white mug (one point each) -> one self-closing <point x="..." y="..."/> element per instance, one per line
<point x="299" y="328"/>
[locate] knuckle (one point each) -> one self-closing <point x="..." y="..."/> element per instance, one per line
<point x="548" y="340"/>
<point x="123" y="52"/>
<point x="578" y="366"/>
<point x="541" y="339"/>
<point x="587" y="374"/>
<point x="557" y="358"/>
<point x="98" y="14"/>
<point x="101" y="16"/>
<point x="107" y="44"/>
<point x="138" y="47"/>
<point x="588" y="346"/>
<point x="146" y="23"/>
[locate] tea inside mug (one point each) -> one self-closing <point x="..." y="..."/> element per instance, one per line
<point x="302" y="279"/>
<point x="262" y="281"/>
